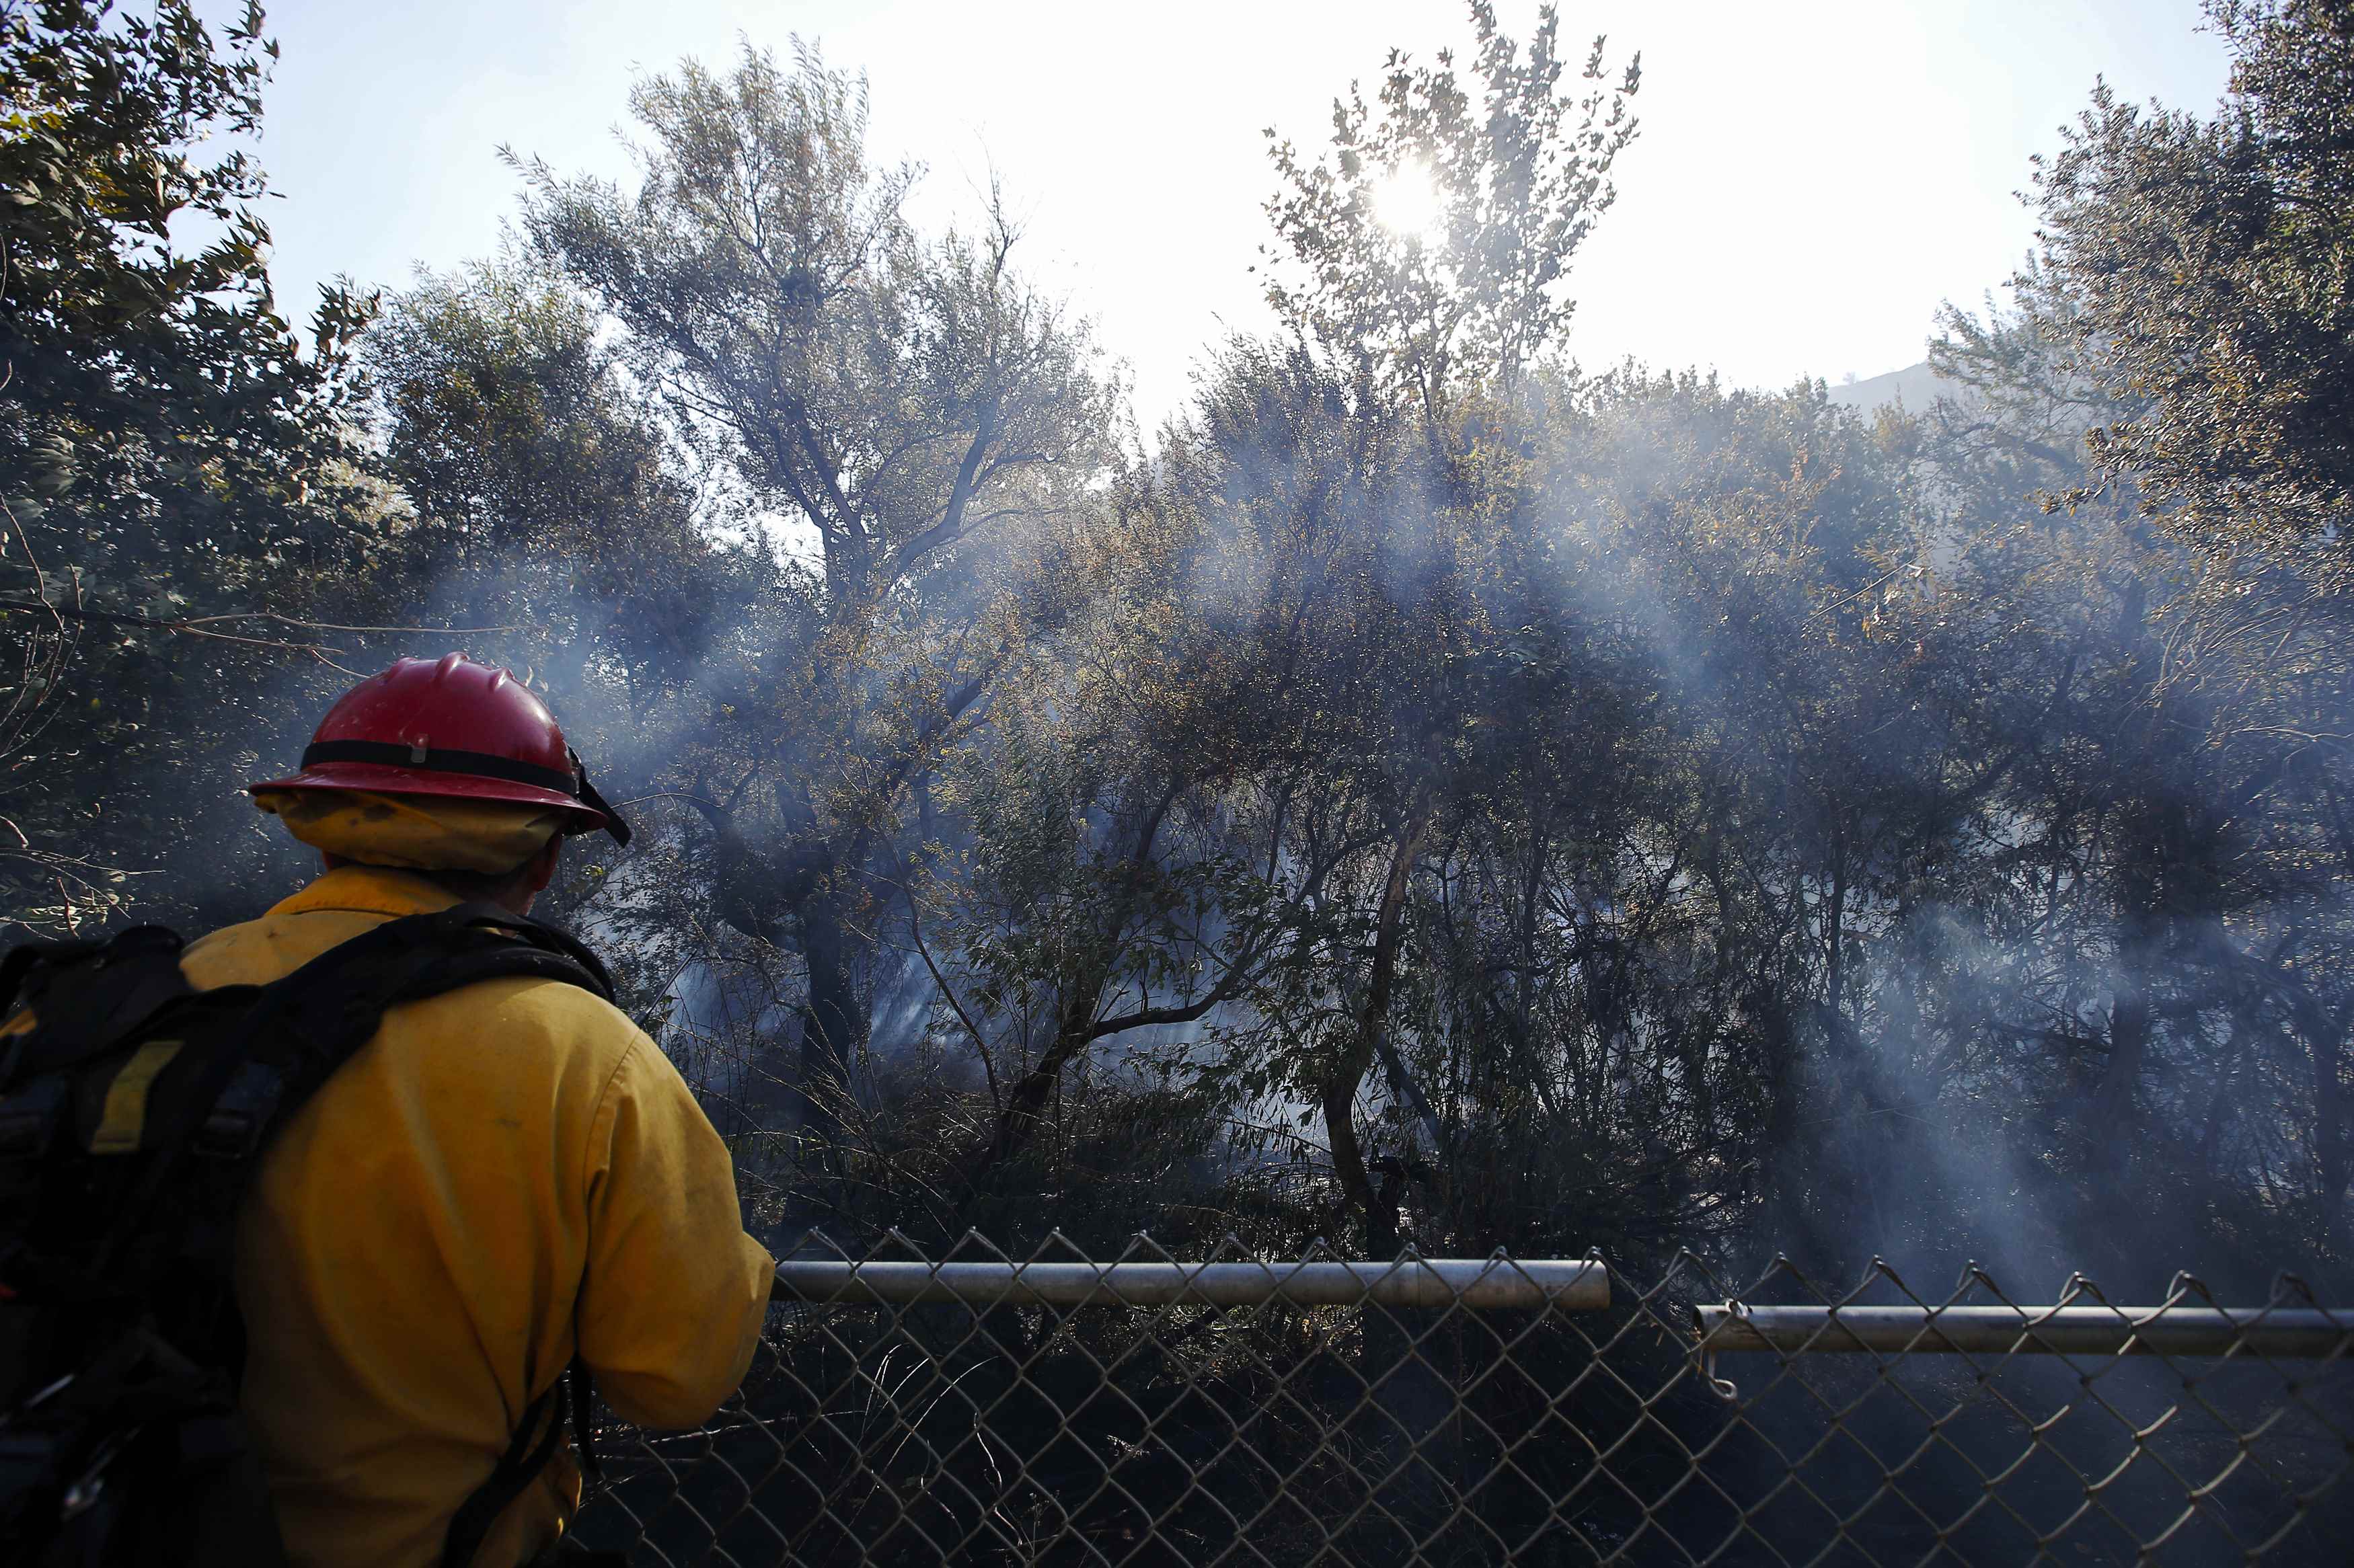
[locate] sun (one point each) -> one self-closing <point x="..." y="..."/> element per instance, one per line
<point x="1406" y="202"/>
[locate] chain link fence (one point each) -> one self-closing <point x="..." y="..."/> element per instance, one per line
<point x="1055" y="1409"/>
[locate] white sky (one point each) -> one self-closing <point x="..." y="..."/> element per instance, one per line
<point x="1813" y="178"/>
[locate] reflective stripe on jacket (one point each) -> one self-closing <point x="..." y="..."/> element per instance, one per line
<point x="505" y="1172"/>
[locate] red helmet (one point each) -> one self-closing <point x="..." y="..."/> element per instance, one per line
<point x="452" y="727"/>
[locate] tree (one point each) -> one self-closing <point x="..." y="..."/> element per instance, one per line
<point x="552" y="516"/>
<point x="1439" y="331"/>
<point x="1464" y="290"/>
<point x="2206" y="265"/>
<point x="905" y="402"/>
<point x="170" y="452"/>
<point x="549" y="501"/>
<point x="2171" y="382"/>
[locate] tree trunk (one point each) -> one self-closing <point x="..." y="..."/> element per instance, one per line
<point x="832" y="1021"/>
<point x="1017" y="1122"/>
<point x="1340" y="1090"/>
<point x="1074" y="1021"/>
<point x="1835" y="955"/>
<point x="2331" y="1155"/>
<point x="2113" y="1102"/>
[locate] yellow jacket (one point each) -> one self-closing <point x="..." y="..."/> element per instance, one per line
<point x="506" y="1173"/>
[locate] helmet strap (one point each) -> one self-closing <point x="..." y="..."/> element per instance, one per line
<point x="615" y="823"/>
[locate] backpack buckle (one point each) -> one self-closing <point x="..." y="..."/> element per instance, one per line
<point x="232" y="1129"/>
<point x="83" y="1496"/>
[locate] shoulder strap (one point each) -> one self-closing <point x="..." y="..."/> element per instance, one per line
<point x="323" y="1013"/>
<point x="300" y="1029"/>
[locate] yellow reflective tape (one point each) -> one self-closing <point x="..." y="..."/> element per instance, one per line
<point x="126" y="1099"/>
<point x="22" y="1023"/>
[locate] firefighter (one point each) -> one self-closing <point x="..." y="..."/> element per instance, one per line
<point x="508" y="1175"/>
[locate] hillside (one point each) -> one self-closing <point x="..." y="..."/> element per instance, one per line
<point x="1915" y="386"/>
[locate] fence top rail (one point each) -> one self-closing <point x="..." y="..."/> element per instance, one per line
<point x="1483" y="1284"/>
<point x="2103" y="1331"/>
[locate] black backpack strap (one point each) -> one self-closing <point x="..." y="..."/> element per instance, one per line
<point x="528" y="1453"/>
<point x="548" y="938"/>
<point x="300" y="1029"/>
<point x="584" y="1435"/>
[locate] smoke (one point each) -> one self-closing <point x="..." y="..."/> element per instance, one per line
<point x="1803" y="839"/>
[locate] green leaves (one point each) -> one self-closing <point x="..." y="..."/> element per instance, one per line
<point x="162" y="430"/>
<point x="1429" y="246"/>
<point x="2198" y="275"/>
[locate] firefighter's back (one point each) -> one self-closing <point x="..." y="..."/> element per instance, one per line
<point x="503" y="1166"/>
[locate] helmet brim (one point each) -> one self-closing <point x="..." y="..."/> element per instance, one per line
<point x="383" y="779"/>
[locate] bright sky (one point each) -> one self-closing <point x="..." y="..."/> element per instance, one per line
<point x="1812" y="179"/>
